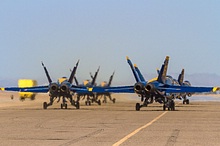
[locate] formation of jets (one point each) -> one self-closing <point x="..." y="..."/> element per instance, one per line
<point x="163" y="89"/>
<point x="104" y="95"/>
<point x="90" y="96"/>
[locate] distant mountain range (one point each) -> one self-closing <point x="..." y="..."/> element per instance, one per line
<point x="203" y="79"/>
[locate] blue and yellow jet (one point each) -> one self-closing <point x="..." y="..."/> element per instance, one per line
<point x="104" y="95"/>
<point x="158" y="89"/>
<point x="63" y="88"/>
<point x="90" y="96"/>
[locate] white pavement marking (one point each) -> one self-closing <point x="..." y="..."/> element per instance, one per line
<point x="137" y="130"/>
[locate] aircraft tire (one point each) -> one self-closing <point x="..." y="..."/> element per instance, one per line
<point x="33" y="98"/>
<point x="138" y="106"/>
<point x="85" y="102"/>
<point x="65" y="106"/>
<point x="22" y="99"/>
<point x="99" y="102"/>
<point x="113" y="100"/>
<point x="73" y="102"/>
<point x="77" y="105"/>
<point x="183" y="101"/>
<point x="187" y="101"/>
<point x="173" y="106"/>
<point x="61" y="106"/>
<point x="45" y="105"/>
<point x="164" y="107"/>
<point x="89" y="103"/>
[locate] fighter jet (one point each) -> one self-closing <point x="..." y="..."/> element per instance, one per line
<point x="180" y="82"/>
<point x="62" y="89"/>
<point x="89" y="96"/>
<point x="104" y="95"/>
<point x="160" y="89"/>
<point x="184" y="83"/>
<point x="163" y="88"/>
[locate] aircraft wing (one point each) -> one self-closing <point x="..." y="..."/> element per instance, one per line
<point x="79" y="89"/>
<point x="120" y="89"/>
<point x="186" y="89"/>
<point x="37" y="89"/>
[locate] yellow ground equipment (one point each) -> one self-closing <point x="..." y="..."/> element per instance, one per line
<point x="27" y="83"/>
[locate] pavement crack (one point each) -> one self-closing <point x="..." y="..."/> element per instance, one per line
<point x="172" y="139"/>
<point x="82" y="137"/>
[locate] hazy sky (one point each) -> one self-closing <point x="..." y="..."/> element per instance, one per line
<point x="103" y="32"/>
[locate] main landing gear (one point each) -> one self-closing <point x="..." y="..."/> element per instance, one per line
<point x="138" y="106"/>
<point x="113" y="100"/>
<point x="110" y="98"/>
<point x="186" y="101"/>
<point x="170" y="105"/>
<point x="88" y="102"/>
<point x="63" y="104"/>
<point x="92" y="100"/>
<point x="96" y="101"/>
<point x="145" y="103"/>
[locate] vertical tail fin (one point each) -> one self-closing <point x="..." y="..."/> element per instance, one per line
<point x="181" y="77"/>
<point x="73" y="73"/>
<point x="139" y="73"/>
<point x="133" y="70"/>
<point x="95" y="76"/>
<point x="46" y="72"/>
<point x="110" y="79"/>
<point x="91" y="75"/>
<point x="163" y="71"/>
<point x="76" y="81"/>
<point x="158" y="71"/>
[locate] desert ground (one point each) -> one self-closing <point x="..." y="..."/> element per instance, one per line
<point x="27" y="123"/>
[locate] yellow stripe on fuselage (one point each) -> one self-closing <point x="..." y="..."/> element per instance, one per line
<point x="214" y="89"/>
<point x="154" y="79"/>
<point x="90" y="89"/>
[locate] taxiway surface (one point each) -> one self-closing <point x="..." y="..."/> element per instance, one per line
<point x="26" y="123"/>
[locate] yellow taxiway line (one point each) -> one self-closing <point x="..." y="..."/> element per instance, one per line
<point x="137" y="130"/>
